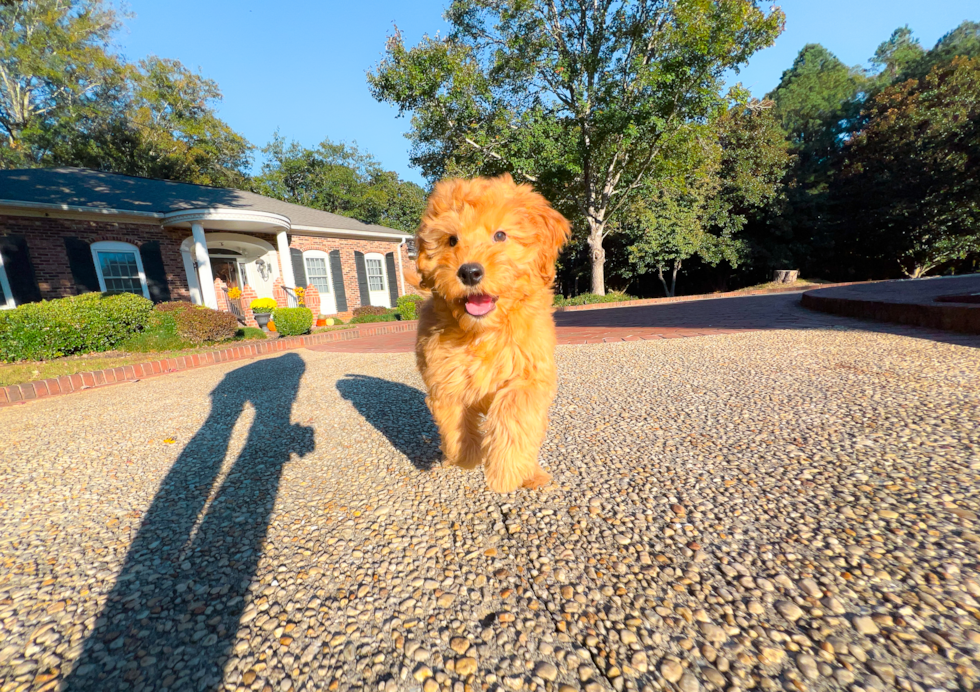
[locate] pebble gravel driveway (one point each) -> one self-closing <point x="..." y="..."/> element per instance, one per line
<point x="780" y="510"/>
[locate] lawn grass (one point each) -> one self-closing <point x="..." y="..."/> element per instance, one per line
<point x="153" y="344"/>
<point x="799" y="283"/>
<point x="28" y="371"/>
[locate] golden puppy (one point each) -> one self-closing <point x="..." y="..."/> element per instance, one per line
<point x="486" y="338"/>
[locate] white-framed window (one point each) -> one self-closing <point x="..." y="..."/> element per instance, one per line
<point x="374" y="265"/>
<point x="375" y="273"/>
<point x="119" y="267"/>
<point x="6" y="297"/>
<point x="317" y="264"/>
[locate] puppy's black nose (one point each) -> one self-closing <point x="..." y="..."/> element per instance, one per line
<point x="470" y="273"/>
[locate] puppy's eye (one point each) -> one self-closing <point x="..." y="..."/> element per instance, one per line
<point x="499" y="237"/>
<point x="453" y="240"/>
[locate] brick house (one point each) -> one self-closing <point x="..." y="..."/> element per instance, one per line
<point x="65" y="231"/>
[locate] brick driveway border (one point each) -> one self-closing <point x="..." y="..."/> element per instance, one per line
<point x="912" y="302"/>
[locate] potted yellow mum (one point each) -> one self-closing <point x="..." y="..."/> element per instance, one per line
<point x="262" y="309"/>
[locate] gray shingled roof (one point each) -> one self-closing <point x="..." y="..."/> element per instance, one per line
<point x="83" y="187"/>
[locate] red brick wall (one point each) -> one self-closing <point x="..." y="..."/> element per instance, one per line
<point x="347" y="248"/>
<point x="45" y="241"/>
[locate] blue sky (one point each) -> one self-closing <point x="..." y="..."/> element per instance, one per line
<point x="299" y="65"/>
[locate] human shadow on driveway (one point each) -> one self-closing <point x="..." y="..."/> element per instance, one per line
<point x="172" y="616"/>
<point x="398" y="412"/>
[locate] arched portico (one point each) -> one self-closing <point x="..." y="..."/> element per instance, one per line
<point x="244" y="259"/>
<point x="248" y="259"/>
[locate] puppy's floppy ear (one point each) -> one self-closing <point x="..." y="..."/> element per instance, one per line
<point x="552" y="232"/>
<point x="422" y="262"/>
<point x="442" y="199"/>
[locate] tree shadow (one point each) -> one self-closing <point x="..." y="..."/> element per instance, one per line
<point x="398" y="412"/>
<point x="172" y="616"/>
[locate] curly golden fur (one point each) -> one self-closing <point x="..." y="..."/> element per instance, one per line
<point x="486" y="337"/>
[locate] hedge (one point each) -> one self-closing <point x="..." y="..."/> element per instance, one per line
<point x="77" y="324"/>
<point x="408" y="306"/>
<point x="370" y="310"/>
<point x="292" y="321"/>
<point x="590" y="298"/>
<point x="203" y="325"/>
<point x="387" y="316"/>
<point x="200" y="324"/>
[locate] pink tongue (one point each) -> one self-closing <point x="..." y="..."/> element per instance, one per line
<point x="479" y="305"/>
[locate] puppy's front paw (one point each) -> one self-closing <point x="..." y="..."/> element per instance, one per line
<point x="539" y="479"/>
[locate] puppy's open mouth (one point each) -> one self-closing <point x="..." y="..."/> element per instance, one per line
<point x="479" y="305"/>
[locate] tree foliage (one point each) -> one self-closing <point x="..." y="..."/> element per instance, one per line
<point x="165" y="126"/>
<point x="65" y="98"/>
<point x="585" y="99"/>
<point x="815" y="100"/>
<point x="894" y="57"/>
<point x="55" y="72"/>
<point x="825" y="106"/>
<point x="702" y="208"/>
<point x="910" y="183"/>
<point x="339" y="178"/>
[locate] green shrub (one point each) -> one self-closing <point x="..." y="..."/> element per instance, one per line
<point x="263" y="305"/>
<point x="249" y="333"/>
<point x="199" y="324"/>
<point x="590" y="298"/>
<point x="386" y="317"/>
<point x="172" y="305"/>
<point x="293" y="321"/>
<point x="78" y="324"/>
<point x="161" y="333"/>
<point x="370" y="310"/>
<point x="408" y="306"/>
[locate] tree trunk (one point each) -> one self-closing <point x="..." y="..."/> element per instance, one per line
<point x="660" y="275"/>
<point x="673" y="279"/>
<point x="598" y="255"/>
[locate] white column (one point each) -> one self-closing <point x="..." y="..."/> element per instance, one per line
<point x="204" y="275"/>
<point x="401" y="272"/>
<point x="285" y="260"/>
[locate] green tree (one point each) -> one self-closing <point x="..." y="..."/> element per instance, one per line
<point x="165" y="126"/>
<point x="340" y="179"/>
<point x="582" y="97"/>
<point x="65" y="99"/>
<point x="815" y="100"/>
<point x="910" y="185"/>
<point x="700" y="207"/>
<point x="963" y="41"/>
<point x="56" y="73"/>
<point x="896" y="55"/>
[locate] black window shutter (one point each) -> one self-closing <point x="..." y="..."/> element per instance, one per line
<point x="392" y="278"/>
<point x="362" y="282"/>
<point x="20" y="271"/>
<point x="156" y="275"/>
<point x="338" y="281"/>
<point x="82" y="266"/>
<point x="299" y="270"/>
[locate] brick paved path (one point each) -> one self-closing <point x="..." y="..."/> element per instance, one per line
<point x="675" y="320"/>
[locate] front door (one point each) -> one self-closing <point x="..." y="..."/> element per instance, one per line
<point x="226" y="270"/>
